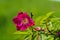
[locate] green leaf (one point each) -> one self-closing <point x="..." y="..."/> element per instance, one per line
<point x="37" y="20"/>
<point x="21" y="32"/>
<point x="35" y="36"/>
<point x="27" y="37"/>
<point x="42" y="19"/>
<point x="46" y="17"/>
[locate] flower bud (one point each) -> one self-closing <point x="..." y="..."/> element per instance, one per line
<point x="39" y="29"/>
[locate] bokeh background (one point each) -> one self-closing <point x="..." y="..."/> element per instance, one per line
<point x="10" y="8"/>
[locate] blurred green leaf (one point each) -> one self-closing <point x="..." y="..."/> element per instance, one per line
<point x="35" y="36"/>
<point x="42" y="19"/>
<point x="21" y="32"/>
<point x="37" y="20"/>
<point x="45" y="18"/>
<point x="27" y="37"/>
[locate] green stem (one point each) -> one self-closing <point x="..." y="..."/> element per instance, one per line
<point x="39" y="38"/>
<point x="32" y="34"/>
<point x="32" y="28"/>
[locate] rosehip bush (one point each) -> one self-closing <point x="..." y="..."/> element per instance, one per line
<point x="47" y="25"/>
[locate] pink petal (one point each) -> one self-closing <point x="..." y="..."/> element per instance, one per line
<point x="19" y="13"/>
<point x="16" y="20"/>
<point x="19" y="24"/>
<point x="31" y="22"/>
<point x="18" y="28"/>
<point x="25" y="15"/>
<point x="29" y="18"/>
<point x="28" y="24"/>
<point x="23" y="27"/>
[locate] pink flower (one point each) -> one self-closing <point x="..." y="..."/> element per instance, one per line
<point x="23" y="21"/>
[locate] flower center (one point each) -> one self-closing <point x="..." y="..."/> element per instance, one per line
<point x="25" y="21"/>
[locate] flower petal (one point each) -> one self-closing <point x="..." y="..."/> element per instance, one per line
<point x="31" y="22"/>
<point x="29" y="18"/>
<point x="16" y="20"/>
<point x="28" y="25"/>
<point x="23" y="27"/>
<point x="19" y="13"/>
<point x="18" y="28"/>
<point x="25" y="15"/>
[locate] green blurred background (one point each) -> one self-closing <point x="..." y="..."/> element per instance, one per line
<point x="10" y="8"/>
